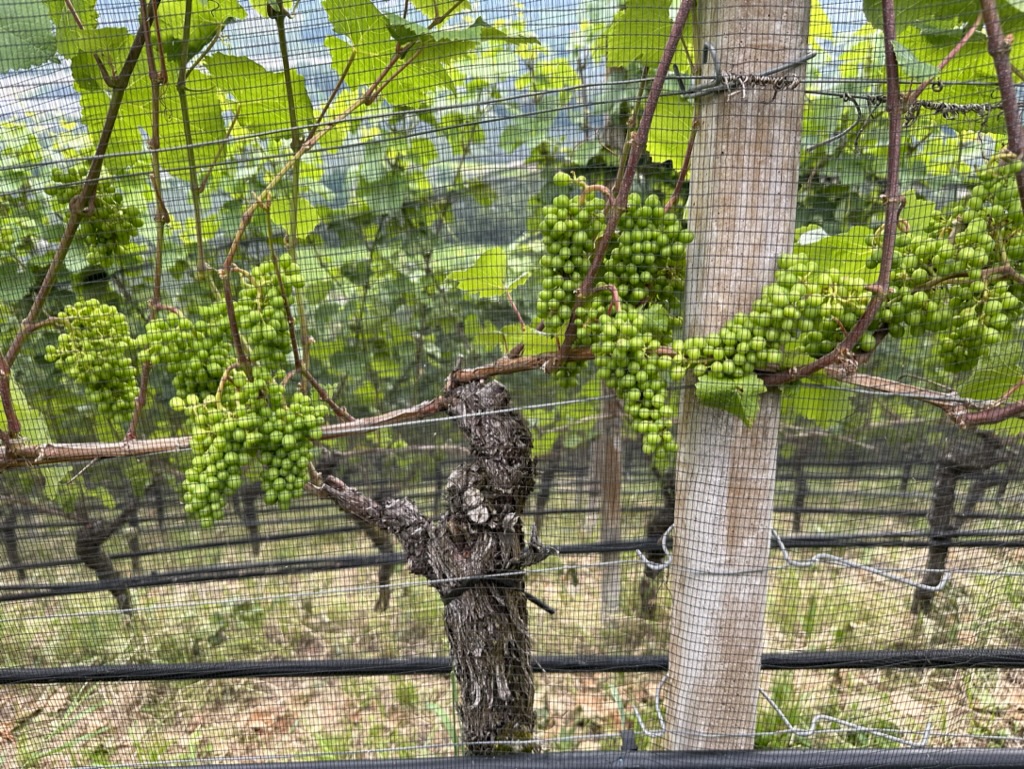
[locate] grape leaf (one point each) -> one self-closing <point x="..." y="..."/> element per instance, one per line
<point x="825" y="406"/>
<point x="307" y="220"/>
<point x="670" y="130"/>
<point x="26" y="36"/>
<point x="261" y="99"/>
<point x="66" y="21"/>
<point x="206" y="123"/>
<point x="991" y="382"/>
<point x="846" y="253"/>
<point x="638" y="33"/>
<point x="914" y="12"/>
<point x="534" y="342"/>
<point x="739" y="397"/>
<point x="486" y="277"/>
<point x="483" y="334"/>
<point x="207" y="18"/>
<point x="35" y="430"/>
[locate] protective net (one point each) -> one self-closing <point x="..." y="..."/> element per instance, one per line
<point x="438" y="379"/>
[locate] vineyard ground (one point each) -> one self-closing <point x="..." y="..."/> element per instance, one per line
<point x="331" y="615"/>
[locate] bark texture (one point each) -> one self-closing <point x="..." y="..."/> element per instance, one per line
<point x="971" y="456"/>
<point x="475" y="555"/>
<point x="90" y="537"/>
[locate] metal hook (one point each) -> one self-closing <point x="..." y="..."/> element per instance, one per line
<point x="659" y="732"/>
<point x="821" y="718"/>
<point x="836" y="560"/>
<point x="657" y="566"/>
<point x="709" y="51"/>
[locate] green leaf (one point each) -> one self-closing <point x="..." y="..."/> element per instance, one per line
<point x="66" y="22"/>
<point x="638" y="33"/>
<point x="484" y="335"/>
<point x="447" y="42"/>
<point x="432" y="8"/>
<point x="914" y="12"/>
<point x="825" y="406"/>
<point x="206" y="123"/>
<point x="26" y="36"/>
<point x="670" y="130"/>
<point x="35" y="430"/>
<point x="126" y="146"/>
<point x="358" y="20"/>
<point x="740" y="397"/>
<point x="261" y="99"/>
<point x="307" y="220"/>
<point x="264" y="7"/>
<point x="534" y="342"/>
<point x="918" y="212"/>
<point x="846" y="253"/>
<point x="486" y="277"/>
<point x="207" y="19"/>
<point x="991" y="382"/>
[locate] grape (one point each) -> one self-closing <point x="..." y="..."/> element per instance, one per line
<point x="648" y="261"/>
<point x="569" y="228"/>
<point x="260" y="310"/>
<point x="629" y="361"/>
<point x="94" y="350"/>
<point x="251" y="421"/>
<point x="951" y="277"/>
<point x="108" y="225"/>
<point x="635" y="303"/>
<point x="196" y="353"/>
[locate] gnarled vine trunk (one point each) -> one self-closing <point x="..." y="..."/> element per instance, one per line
<point x="474" y="555"/>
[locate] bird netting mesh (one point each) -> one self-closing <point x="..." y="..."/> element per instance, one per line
<point x="437" y="378"/>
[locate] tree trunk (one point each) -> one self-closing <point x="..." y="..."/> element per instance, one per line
<point x="474" y="556"/>
<point x="743" y="199"/>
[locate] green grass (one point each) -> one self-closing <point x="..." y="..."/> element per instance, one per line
<point x="331" y="615"/>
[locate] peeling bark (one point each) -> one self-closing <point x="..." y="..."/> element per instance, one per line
<point x="475" y="556"/>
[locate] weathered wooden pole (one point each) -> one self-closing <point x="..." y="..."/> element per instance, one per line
<point x="609" y="464"/>
<point x="743" y="190"/>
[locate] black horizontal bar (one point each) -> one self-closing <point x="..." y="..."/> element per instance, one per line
<point x="858" y="758"/>
<point x="813" y="660"/>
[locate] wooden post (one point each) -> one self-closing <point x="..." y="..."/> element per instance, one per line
<point x="742" y="207"/>
<point x="609" y="462"/>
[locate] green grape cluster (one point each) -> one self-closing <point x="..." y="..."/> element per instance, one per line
<point x="261" y="311"/>
<point x="196" y="353"/>
<point x="108" y="225"/>
<point x="804" y="311"/>
<point x="94" y="350"/>
<point x="955" y="278"/>
<point x="647" y="264"/>
<point x="569" y="229"/>
<point x="249" y="420"/>
<point x="635" y="301"/>
<point x="630" y="360"/>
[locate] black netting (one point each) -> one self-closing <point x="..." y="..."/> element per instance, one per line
<point x="426" y="380"/>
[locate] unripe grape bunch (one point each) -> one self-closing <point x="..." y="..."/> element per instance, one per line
<point x="959" y="278"/>
<point x="250" y="421"/>
<point x="108" y="225"/>
<point x="195" y="353"/>
<point x="260" y="308"/>
<point x="94" y="351"/>
<point x="633" y="306"/>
